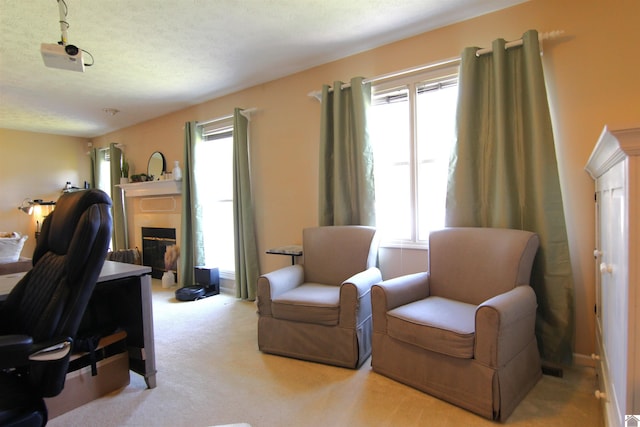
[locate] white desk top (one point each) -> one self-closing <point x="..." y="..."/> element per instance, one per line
<point x="117" y="270"/>
<point x="8" y="281"/>
<point x="110" y="271"/>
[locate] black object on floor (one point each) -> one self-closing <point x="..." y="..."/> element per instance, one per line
<point x="207" y="284"/>
<point x="190" y="293"/>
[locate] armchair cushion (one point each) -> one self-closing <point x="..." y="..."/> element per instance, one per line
<point x="310" y="303"/>
<point x="436" y="324"/>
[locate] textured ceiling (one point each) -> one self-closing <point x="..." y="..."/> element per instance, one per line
<point x="153" y="57"/>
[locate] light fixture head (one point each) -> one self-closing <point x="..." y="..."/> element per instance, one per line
<point x="26" y="209"/>
<point x="27" y="206"/>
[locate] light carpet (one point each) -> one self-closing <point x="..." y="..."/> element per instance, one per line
<point x="210" y="372"/>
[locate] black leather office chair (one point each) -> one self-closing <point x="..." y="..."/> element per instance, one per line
<point x="41" y="315"/>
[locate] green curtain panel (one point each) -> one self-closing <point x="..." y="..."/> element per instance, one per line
<point x="94" y="156"/>
<point x="191" y="238"/>
<point x="246" y="256"/>
<point x="347" y="188"/>
<point x="503" y="173"/>
<point x="120" y="234"/>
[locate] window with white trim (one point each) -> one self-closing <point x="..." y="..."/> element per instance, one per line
<point x="214" y="177"/>
<point x="412" y="130"/>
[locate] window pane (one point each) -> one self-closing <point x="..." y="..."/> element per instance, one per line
<point x="389" y="125"/>
<point x="432" y="187"/>
<point x="218" y="235"/>
<point x="104" y="174"/>
<point x="214" y="177"/>
<point x="435" y="111"/>
<point x="412" y="128"/>
<point x="393" y="202"/>
<point x="390" y="136"/>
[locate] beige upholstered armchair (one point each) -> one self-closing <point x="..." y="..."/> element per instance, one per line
<point x="321" y="310"/>
<point x="464" y="330"/>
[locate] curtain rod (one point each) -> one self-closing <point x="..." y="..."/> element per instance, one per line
<point x="550" y="35"/>
<point x="118" y="145"/>
<point x="447" y="62"/>
<point x="246" y="113"/>
<point x="451" y="61"/>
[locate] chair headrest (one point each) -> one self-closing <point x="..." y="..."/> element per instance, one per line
<point x="64" y="218"/>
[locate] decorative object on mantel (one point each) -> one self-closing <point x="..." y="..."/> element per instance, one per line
<point x="177" y="172"/>
<point x="141" y="177"/>
<point x="124" y="168"/>
<point x="156" y="166"/>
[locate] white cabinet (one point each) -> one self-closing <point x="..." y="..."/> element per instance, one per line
<point x="615" y="166"/>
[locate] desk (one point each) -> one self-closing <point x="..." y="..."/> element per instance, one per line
<point x="129" y="286"/>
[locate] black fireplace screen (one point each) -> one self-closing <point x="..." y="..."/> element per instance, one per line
<point x="154" y="244"/>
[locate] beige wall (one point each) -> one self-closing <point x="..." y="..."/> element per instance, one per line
<point x="36" y="166"/>
<point x="592" y="79"/>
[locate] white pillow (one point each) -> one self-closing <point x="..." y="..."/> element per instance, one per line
<point x="10" y="246"/>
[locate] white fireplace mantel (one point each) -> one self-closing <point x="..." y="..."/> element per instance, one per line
<point x="151" y="188"/>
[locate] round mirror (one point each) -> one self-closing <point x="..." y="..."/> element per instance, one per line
<point x="156" y="165"/>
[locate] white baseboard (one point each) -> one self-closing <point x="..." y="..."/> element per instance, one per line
<point x="583" y="360"/>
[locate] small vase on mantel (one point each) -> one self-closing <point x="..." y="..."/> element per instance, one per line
<point x="176" y="172"/>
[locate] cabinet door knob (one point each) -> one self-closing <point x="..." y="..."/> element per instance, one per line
<point x="600" y="394"/>
<point x="606" y="268"/>
<point x="597" y="253"/>
<point x="595" y="356"/>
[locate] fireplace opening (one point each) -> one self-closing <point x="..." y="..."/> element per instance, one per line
<point x="154" y="245"/>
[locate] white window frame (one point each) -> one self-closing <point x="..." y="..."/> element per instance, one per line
<point x="412" y="82"/>
<point x="210" y="133"/>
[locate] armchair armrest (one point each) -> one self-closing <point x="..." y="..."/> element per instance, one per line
<point x="395" y="292"/>
<point x="364" y="280"/>
<point x="275" y="283"/>
<point x="402" y="290"/>
<point x="355" y="297"/>
<point x="505" y="324"/>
